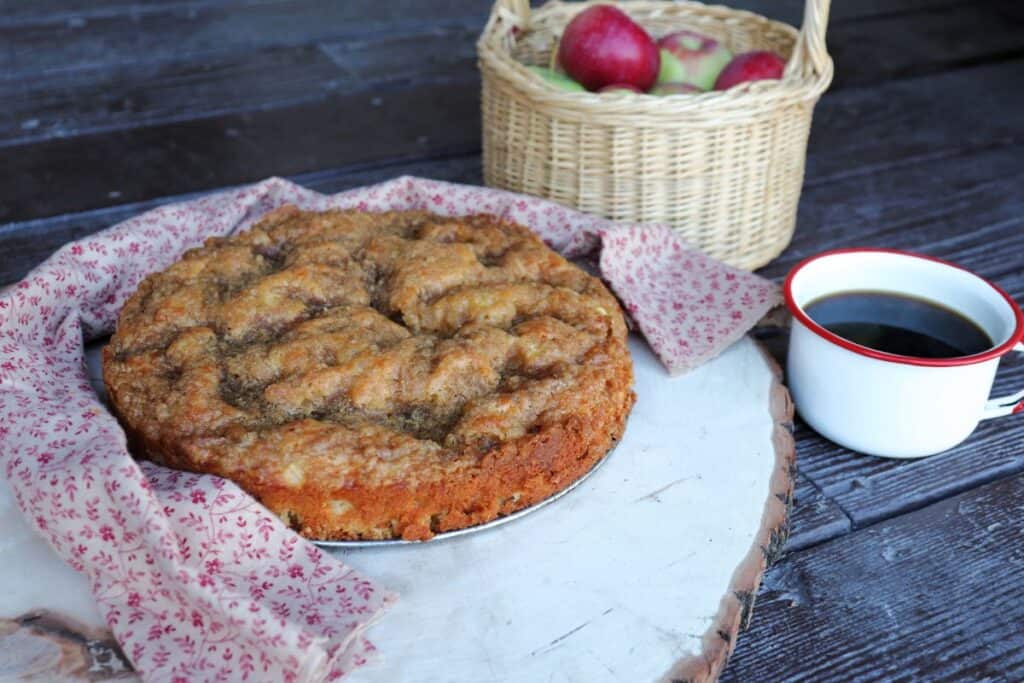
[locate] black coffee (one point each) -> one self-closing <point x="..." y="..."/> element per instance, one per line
<point x="898" y="324"/>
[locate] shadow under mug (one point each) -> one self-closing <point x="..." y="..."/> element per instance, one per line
<point x="886" y="404"/>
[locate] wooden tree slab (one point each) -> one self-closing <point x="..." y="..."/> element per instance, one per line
<point x="647" y="570"/>
<point x="50" y="628"/>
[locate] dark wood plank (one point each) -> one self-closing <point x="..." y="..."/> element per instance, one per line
<point x="70" y="101"/>
<point x="464" y="169"/>
<point x="870" y="489"/>
<point x="889" y="117"/>
<point x="928" y="596"/>
<point x="892" y="39"/>
<point x="963" y="194"/>
<point x="27" y="243"/>
<point x="865" y="130"/>
<point x="964" y="208"/>
<point x="191" y="32"/>
<point x="24" y="12"/>
<point x="220" y="108"/>
<point x="968" y="196"/>
<point x="904" y="44"/>
<point x="814" y="517"/>
<point x="64" y="105"/>
<point x="131" y="165"/>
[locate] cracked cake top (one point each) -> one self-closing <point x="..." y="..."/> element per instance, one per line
<point x="332" y="354"/>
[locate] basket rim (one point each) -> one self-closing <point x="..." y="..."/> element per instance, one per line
<point x="498" y="65"/>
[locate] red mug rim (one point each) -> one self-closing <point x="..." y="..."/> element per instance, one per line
<point x="989" y="354"/>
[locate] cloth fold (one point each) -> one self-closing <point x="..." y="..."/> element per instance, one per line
<point x="196" y="580"/>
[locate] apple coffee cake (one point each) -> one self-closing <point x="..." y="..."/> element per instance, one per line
<point x="374" y="375"/>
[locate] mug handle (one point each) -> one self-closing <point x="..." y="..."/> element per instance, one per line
<point x="1005" y="405"/>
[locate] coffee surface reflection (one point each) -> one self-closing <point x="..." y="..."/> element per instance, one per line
<point x="899" y="324"/>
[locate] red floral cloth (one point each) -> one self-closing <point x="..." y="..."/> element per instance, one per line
<point x="197" y="580"/>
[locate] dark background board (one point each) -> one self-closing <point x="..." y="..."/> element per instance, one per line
<point x="122" y="102"/>
<point x="893" y="602"/>
<point x="894" y="570"/>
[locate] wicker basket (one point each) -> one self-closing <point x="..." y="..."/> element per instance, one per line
<point x="723" y="168"/>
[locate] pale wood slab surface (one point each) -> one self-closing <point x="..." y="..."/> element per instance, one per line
<point x="918" y="145"/>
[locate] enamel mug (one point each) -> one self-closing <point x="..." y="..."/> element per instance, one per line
<point x="885" y="404"/>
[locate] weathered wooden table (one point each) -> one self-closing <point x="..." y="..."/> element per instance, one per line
<point x="901" y="570"/>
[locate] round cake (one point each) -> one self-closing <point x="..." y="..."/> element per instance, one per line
<point x="374" y="375"/>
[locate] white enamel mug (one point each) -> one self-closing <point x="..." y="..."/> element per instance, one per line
<point x="885" y="404"/>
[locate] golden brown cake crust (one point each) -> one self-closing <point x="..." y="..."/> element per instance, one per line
<point x="374" y="375"/>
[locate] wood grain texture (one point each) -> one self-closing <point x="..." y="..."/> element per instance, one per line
<point x="224" y="93"/>
<point x="867" y="193"/>
<point x="97" y="38"/>
<point x="929" y="596"/>
<point x="63" y="104"/>
<point x="814" y="517"/>
<point x="966" y="209"/>
<point x="28" y="243"/>
<point x="95" y="35"/>
<point x="137" y="164"/>
<point x="869" y="489"/>
<point x="898" y="122"/>
<point x="47" y="645"/>
<point x="22" y="12"/>
<point x="963" y="207"/>
<point x="926" y="41"/>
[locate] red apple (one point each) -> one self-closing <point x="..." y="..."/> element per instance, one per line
<point x="620" y="87"/>
<point x="689" y="57"/>
<point x="674" y="89"/>
<point x="759" y="65"/>
<point x="602" y="46"/>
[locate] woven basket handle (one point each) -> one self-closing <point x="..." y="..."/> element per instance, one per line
<point x="514" y="12"/>
<point x="810" y="52"/>
<point x="810" y="55"/>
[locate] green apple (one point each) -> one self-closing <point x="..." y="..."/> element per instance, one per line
<point x="557" y="80"/>
<point x="689" y="57"/>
